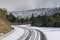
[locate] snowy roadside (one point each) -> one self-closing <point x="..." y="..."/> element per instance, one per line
<point x="15" y="35"/>
<point x="50" y="33"/>
<point x="1" y="37"/>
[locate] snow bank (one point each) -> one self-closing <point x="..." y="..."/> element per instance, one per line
<point x="15" y="35"/>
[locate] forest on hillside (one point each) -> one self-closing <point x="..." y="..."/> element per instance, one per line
<point x="46" y="21"/>
<point x="41" y="21"/>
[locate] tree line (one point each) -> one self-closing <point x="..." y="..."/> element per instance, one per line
<point x="41" y="21"/>
<point x="46" y="21"/>
<point x="14" y="19"/>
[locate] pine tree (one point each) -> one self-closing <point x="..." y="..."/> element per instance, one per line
<point x="32" y="20"/>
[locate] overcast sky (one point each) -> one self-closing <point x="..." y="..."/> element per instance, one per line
<point x="13" y="5"/>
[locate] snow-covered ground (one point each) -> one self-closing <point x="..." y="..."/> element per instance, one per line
<point x="48" y="33"/>
<point x="15" y="35"/>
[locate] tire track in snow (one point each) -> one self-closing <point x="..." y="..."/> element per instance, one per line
<point x="25" y="34"/>
<point x="42" y="35"/>
<point x="30" y="34"/>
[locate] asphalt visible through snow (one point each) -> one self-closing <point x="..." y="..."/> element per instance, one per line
<point x="32" y="34"/>
<point x="27" y="34"/>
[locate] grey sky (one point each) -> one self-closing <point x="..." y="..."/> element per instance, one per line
<point x="12" y="5"/>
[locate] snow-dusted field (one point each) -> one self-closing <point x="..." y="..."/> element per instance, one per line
<point x="27" y="32"/>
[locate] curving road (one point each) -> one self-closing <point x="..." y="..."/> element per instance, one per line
<point x="26" y="33"/>
<point x="32" y="34"/>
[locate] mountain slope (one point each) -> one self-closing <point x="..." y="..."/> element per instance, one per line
<point x="4" y="26"/>
<point x="41" y="11"/>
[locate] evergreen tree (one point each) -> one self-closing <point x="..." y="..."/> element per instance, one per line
<point x="32" y="20"/>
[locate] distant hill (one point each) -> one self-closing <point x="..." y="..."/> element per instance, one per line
<point x="41" y="11"/>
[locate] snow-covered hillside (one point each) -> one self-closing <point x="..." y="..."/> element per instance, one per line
<point x="42" y="11"/>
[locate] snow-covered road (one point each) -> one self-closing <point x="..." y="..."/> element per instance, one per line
<point x="15" y="35"/>
<point x="27" y="32"/>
